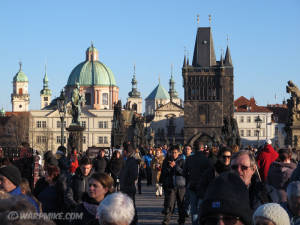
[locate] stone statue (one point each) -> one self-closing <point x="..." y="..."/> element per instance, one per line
<point x="151" y="137"/>
<point x="230" y="132"/>
<point x="293" y="102"/>
<point x="293" y="89"/>
<point x="77" y="101"/>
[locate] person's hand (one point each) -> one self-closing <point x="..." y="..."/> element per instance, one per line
<point x="172" y="163"/>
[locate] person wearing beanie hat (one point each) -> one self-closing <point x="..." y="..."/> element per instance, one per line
<point x="226" y="200"/>
<point x="271" y="214"/>
<point x="10" y="179"/>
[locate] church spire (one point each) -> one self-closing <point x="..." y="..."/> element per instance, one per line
<point x="134" y="92"/>
<point x="45" y="80"/>
<point x="172" y="92"/>
<point x="228" y="61"/>
<point x="221" y="59"/>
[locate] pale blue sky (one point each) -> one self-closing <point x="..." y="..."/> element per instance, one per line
<point x="264" y="42"/>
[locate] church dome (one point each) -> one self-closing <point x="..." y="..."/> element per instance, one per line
<point x="91" y="72"/>
<point x="20" y="76"/>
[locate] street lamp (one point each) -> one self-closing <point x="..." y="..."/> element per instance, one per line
<point x="61" y="106"/>
<point x="258" y="121"/>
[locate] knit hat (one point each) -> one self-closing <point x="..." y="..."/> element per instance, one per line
<point x="273" y="212"/>
<point x="268" y="141"/>
<point x="227" y="195"/>
<point x="12" y="173"/>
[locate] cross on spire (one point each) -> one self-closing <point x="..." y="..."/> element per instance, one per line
<point x="20" y="63"/>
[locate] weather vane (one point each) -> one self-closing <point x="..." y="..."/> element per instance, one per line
<point x="209" y="19"/>
<point x="134" y="69"/>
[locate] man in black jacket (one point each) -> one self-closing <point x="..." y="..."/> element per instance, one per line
<point x="128" y="176"/>
<point x="174" y="185"/>
<point x="195" y="166"/>
<point x="100" y="163"/>
<point x="78" y="183"/>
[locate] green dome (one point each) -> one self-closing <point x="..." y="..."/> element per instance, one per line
<point x="20" y="77"/>
<point x="90" y="73"/>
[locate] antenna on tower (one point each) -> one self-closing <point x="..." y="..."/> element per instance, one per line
<point x="209" y="20"/>
<point x="20" y="64"/>
<point x="227" y="39"/>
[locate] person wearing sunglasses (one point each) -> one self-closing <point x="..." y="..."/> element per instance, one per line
<point x="226" y="202"/>
<point x="243" y="164"/>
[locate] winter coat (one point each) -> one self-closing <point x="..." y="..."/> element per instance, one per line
<point x="261" y="193"/>
<point x="89" y="209"/>
<point x="77" y="187"/>
<point x="156" y="166"/>
<point x="128" y="176"/>
<point x="195" y="166"/>
<point x="51" y="196"/>
<point x="168" y="174"/>
<point x="279" y="177"/>
<point x="209" y="175"/>
<point x="296" y="173"/>
<point x="100" y="164"/>
<point x="265" y="159"/>
<point x="73" y="163"/>
<point x="17" y="192"/>
<point x="115" y="166"/>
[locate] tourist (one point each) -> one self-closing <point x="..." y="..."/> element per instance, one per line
<point x="114" y="168"/>
<point x="116" y="209"/>
<point x="73" y="161"/>
<point x="270" y="214"/>
<point x="25" y="189"/>
<point x="79" y="183"/>
<point x="147" y="166"/>
<point x="226" y="202"/>
<point x="129" y="176"/>
<point x="292" y="206"/>
<point x="156" y="165"/>
<point x="173" y="183"/>
<point x="243" y="163"/>
<point x="100" y="163"/>
<point x="100" y="185"/>
<point x="280" y="173"/>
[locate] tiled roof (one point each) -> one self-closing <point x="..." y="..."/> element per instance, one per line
<point x="158" y="93"/>
<point x="243" y="104"/>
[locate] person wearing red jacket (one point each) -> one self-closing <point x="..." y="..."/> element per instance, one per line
<point x="74" y="162"/>
<point x="265" y="159"/>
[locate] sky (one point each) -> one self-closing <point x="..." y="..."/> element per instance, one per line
<point x="263" y="40"/>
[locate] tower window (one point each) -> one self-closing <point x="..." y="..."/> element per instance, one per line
<point x="87" y="98"/>
<point x="20" y="106"/>
<point x="104" y="99"/>
<point x="20" y="91"/>
<point x="45" y="98"/>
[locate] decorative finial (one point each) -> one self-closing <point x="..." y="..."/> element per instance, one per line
<point x="198" y="19"/>
<point x="92" y="44"/>
<point x="133" y="69"/>
<point x="158" y="78"/>
<point x="20" y="63"/>
<point x="171" y="71"/>
<point x="227" y="39"/>
<point x="209" y="19"/>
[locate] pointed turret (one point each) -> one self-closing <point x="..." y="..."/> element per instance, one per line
<point x="221" y="60"/>
<point x="184" y="61"/>
<point x="204" y="53"/>
<point x="134" y="92"/>
<point x="45" y="93"/>
<point x="228" y="61"/>
<point x="172" y="92"/>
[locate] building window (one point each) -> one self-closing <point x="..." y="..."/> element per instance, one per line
<point x="100" y="140"/>
<point x="249" y="119"/>
<point x="20" y="91"/>
<point x="104" y="99"/>
<point x="249" y="133"/>
<point x="87" y="98"/>
<point x="44" y="124"/>
<point x="242" y="119"/>
<point x="105" y="124"/>
<point x="100" y="124"/>
<point x="58" y="124"/>
<point x="105" y="140"/>
<point x="84" y="139"/>
<point x="45" y="98"/>
<point x="256" y="133"/>
<point x="242" y="133"/>
<point x="41" y="139"/>
<point x="38" y="124"/>
<point x="58" y="139"/>
<point x="83" y="123"/>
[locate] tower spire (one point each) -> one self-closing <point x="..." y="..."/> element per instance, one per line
<point x="134" y="92"/>
<point x="172" y="92"/>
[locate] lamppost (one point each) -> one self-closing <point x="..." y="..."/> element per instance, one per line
<point x="61" y="106"/>
<point x="258" y="121"/>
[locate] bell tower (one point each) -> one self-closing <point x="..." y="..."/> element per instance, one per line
<point x="134" y="101"/>
<point x="45" y="92"/>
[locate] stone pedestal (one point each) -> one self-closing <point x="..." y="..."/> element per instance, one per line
<point x="75" y="137"/>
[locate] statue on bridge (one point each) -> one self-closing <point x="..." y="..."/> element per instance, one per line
<point x="77" y="102"/>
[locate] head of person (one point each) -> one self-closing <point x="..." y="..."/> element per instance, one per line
<point x="293" y="197"/>
<point x="158" y="152"/>
<point x="129" y="151"/>
<point x="116" y="209"/>
<point x="243" y="163"/>
<point x="235" y="148"/>
<point x="175" y="152"/>
<point x="52" y="173"/>
<point x="198" y="146"/>
<point x="116" y="154"/>
<point x="268" y="142"/>
<point x="100" y="185"/>
<point x="10" y="178"/>
<point x="86" y="166"/>
<point x="225" y="156"/>
<point x="285" y="155"/>
<point x="61" y="151"/>
<point x="188" y="150"/>
<point x="102" y="153"/>
<point x="222" y="204"/>
<point x="270" y="214"/>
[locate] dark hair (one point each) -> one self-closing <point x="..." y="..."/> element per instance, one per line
<point x="85" y="161"/>
<point x="284" y="153"/>
<point x="105" y="180"/>
<point x="173" y="147"/>
<point x="62" y="149"/>
<point x="53" y="171"/>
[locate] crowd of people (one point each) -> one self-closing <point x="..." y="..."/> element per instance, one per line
<point x="209" y="184"/>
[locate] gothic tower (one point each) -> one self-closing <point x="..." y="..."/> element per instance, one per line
<point x="20" y="96"/>
<point x="208" y="91"/>
<point x="134" y="101"/>
<point x="45" y="92"/>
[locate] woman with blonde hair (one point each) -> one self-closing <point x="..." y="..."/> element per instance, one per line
<point x="156" y="165"/>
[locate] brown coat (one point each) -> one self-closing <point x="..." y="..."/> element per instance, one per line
<point x="156" y="165"/>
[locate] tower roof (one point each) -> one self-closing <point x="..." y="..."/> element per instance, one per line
<point x="228" y="61"/>
<point x="204" y="53"/>
<point x="159" y="92"/>
<point x="20" y="75"/>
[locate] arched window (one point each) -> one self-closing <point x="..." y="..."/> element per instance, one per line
<point x="20" y="91"/>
